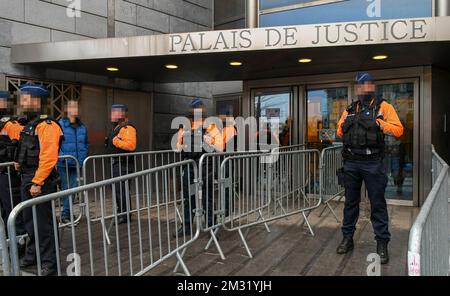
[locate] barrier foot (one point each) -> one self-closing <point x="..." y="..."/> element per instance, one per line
<point x="216" y="242"/>
<point x="333" y="213"/>
<point x="307" y="223"/>
<point x="244" y="242"/>
<point x="105" y="231"/>
<point x="181" y="263"/>
<point x="262" y="218"/>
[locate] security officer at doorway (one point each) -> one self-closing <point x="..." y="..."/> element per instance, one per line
<point x="36" y="160"/>
<point x="363" y="127"/>
<point x="193" y="144"/>
<point x="122" y="139"/>
<point x="10" y="129"/>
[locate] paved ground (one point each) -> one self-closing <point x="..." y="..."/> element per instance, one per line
<point x="290" y="250"/>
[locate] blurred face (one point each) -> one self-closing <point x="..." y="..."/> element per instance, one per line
<point x="364" y="89"/>
<point x="3" y="103"/>
<point x="72" y="109"/>
<point x="29" y="103"/>
<point x="117" y="115"/>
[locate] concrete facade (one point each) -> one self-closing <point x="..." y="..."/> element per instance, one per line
<point x="35" y="21"/>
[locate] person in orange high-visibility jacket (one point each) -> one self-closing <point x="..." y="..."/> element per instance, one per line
<point x="36" y="159"/>
<point x="10" y="129"/>
<point x="122" y="139"/>
<point x="363" y="127"/>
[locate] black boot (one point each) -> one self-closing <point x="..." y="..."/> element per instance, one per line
<point x="382" y="251"/>
<point x="345" y="246"/>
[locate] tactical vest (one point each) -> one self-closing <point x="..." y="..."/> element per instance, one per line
<point x="8" y="147"/>
<point x="361" y="132"/>
<point x="110" y="148"/>
<point x="29" y="147"/>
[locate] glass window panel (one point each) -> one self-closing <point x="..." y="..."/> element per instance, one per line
<point x="348" y="11"/>
<point x="325" y="107"/>
<point x="267" y="4"/>
<point x="399" y="152"/>
<point x="273" y="103"/>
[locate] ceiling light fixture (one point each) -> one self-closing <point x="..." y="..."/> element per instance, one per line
<point x="305" y="60"/>
<point x="112" y="69"/>
<point x="171" y="66"/>
<point x="379" y="57"/>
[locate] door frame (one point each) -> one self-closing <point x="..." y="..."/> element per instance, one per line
<point x="421" y="76"/>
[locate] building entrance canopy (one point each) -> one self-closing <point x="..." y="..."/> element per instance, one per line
<point x="263" y="52"/>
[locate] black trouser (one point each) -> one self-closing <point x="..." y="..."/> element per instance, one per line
<point x="373" y="173"/>
<point x="189" y="196"/>
<point x="44" y="219"/>
<point x="121" y="169"/>
<point x="10" y="186"/>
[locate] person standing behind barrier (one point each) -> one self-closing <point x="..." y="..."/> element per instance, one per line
<point x="121" y="140"/>
<point x="75" y="144"/>
<point x="10" y="129"/>
<point x="192" y="144"/>
<point x="36" y="160"/>
<point x="362" y="128"/>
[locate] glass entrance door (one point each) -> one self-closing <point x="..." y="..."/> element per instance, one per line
<point x="276" y="103"/>
<point x="324" y="109"/>
<point x="399" y="159"/>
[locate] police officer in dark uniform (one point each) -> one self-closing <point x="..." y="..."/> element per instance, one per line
<point x="192" y="144"/>
<point x="36" y="160"/>
<point x="362" y="128"/>
<point x="122" y="139"/>
<point x="10" y="129"/>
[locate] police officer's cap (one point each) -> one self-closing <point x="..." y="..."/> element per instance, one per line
<point x="35" y="90"/>
<point x="197" y="103"/>
<point x="363" y="77"/>
<point x="4" y="94"/>
<point x="122" y="107"/>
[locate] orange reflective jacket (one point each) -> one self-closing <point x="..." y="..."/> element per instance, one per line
<point x="49" y="135"/>
<point x="126" y="139"/>
<point x="12" y="129"/>
<point x="387" y="119"/>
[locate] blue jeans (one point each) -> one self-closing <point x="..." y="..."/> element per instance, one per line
<point x="68" y="181"/>
<point x="373" y="173"/>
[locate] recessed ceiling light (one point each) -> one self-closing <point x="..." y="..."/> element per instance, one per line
<point x="380" y="57"/>
<point x="304" y="60"/>
<point x="112" y="69"/>
<point x="171" y="66"/>
<point x="235" y="63"/>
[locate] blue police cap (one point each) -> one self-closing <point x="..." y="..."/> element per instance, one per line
<point x="363" y="77"/>
<point x="35" y="90"/>
<point x="120" y="107"/>
<point x="4" y="94"/>
<point x="197" y="103"/>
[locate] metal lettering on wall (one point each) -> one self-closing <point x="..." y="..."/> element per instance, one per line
<point x="303" y="36"/>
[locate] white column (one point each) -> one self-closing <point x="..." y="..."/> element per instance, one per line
<point x="252" y="13"/>
<point x="442" y="7"/>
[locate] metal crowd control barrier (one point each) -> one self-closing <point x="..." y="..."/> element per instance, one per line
<point x="102" y="167"/>
<point x="331" y="162"/>
<point x="4" y="249"/>
<point x="261" y="196"/>
<point x="139" y="245"/>
<point x="209" y="168"/>
<point x="78" y="200"/>
<point x="428" y="247"/>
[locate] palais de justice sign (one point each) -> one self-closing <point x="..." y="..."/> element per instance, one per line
<point x="339" y="34"/>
